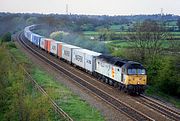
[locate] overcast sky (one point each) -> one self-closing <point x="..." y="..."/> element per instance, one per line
<point x="92" y="7"/>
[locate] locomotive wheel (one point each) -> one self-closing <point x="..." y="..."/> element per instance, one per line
<point x="115" y="84"/>
<point x="111" y="82"/>
<point x="106" y="81"/>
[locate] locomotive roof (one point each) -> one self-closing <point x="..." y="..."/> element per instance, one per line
<point x="113" y="60"/>
<point x="133" y="65"/>
<point x="90" y="52"/>
<point x="120" y="62"/>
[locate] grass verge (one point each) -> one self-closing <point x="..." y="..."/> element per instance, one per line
<point x="77" y="108"/>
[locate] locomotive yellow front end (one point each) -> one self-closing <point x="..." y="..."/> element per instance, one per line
<point x="136" y="78"/>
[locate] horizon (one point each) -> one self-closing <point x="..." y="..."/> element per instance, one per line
<point x="86" y="14"/>
<point x="92" y="7"/>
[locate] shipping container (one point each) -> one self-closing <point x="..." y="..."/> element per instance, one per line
<point x="60" y="49"/>
<point x="28" y="35"/>
<point x="78" y="58"/>
<point x="42" y="43"/>
<point x="36" y="39"/>
<point x="67" y="51"/>
<point x="54" y="47"/>
<point x="25" y="32"/>
<point x="85" y="58"/>
<point x="47" y="45"/>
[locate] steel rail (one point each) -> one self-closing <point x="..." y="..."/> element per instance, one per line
<point x="160" y="107"/>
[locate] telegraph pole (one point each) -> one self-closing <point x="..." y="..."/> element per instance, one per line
<point x="67" y="9"/>
<point x="162" y="12"/>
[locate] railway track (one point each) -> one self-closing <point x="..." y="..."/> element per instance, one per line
<point x="39" y="88"/>
<point x="160" y="107"/>
<point x="114" y="102"/>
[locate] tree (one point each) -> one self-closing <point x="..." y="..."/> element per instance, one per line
<point x="105" y="34"/>
<point x="6" y="37"/>
<point x="147" y="39"/>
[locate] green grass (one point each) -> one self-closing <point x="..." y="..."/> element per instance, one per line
<point x="77" y="108"/>
<point x="117" y="28"/>
<point x="118" y="44"/>
<point x="125" y="44"/>
<point x="69" y="102"/>
<point x="152" y="91"/>
<point x="90" y="33"/>
<point x="21" y="57"/>
<point x="94" y="33"/>
<point x="172" y="23"/>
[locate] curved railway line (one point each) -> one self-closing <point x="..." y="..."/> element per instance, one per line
<point x="88" y="83"/>
<point x="39" y="88"/>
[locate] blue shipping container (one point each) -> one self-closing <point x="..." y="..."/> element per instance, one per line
<point x="36" y="39"/>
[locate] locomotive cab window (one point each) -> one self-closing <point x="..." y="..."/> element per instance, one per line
<point x="136" y="71"/>
<point x="141" y="71"/>
<point x="132" y="71"/>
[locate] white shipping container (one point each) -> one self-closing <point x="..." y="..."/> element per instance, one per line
<point x="85" y="58"/>
<point x="78" y="58"/>
<point x="67" y="51"/>
<point x="54" y="47"/>
<point x="42" y="43"/>
<point x="29" y="35"/>
<point x="90" y="59"/>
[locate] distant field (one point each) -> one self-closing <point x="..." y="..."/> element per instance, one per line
<point x="124" y="44"/>
<point x="93" y="33"/>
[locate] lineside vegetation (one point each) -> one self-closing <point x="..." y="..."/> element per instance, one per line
<point x="21" y="101"/>
<point x="147" y="45"/>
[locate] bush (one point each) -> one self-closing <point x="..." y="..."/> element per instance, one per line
<point x="6" y="37"/>
<point x="168" y="77"/>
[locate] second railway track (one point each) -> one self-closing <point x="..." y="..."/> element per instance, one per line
<point x="160" y="107"/>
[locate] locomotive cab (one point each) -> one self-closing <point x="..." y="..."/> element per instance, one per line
<point x="135" y="77"/>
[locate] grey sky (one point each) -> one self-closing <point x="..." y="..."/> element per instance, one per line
<point x="102" y="7"/>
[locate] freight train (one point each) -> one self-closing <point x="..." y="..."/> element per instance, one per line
<point x="126" y="75"/>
